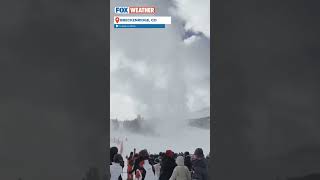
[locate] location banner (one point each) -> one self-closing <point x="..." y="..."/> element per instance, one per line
<point x="141" y="21"/>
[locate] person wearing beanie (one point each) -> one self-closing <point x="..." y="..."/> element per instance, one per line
<point x="199" y="153"/>
<point x="142" y="166"/>
<point x="180" y="172"/>
<point x="148" y="169"/>
<point x="145" y="167"/>
<point x="170" y="153"/>
<point x="115" y="167"/>
<point x="186" y="153"/>
<point x="187" y="160"/>
<point x="167" y="165"/>
<point x="113" y="152"/>
<point x="199" y="166"/>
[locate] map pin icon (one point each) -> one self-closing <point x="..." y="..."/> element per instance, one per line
<point x="117" y="19"/>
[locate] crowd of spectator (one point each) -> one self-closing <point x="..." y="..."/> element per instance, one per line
<point x="162" y="166"/>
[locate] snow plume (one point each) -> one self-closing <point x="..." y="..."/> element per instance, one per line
<point x="195" y="14"/>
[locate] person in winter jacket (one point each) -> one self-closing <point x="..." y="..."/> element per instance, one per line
<point x="199" y="166"/>
<point x="180" y="172"/>
<point x="148" y="172"/>
<point x="142" y="166"/>
<point x="130" y="166"/>
<point x="136" y="166"/>
<point x="167" y="165"/>
<point x="187" y="160"/>
<point x="157" y="168"/>
<point x="137" y="163"/>
<point x="115" y="167"/>
<point x="113" y="152"/>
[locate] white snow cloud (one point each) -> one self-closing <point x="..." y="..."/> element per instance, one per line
<point x="157" y="71"/>
<point x="123" y="109"/>
<point x="191" y="39"/>
<point x="195" y="13"/>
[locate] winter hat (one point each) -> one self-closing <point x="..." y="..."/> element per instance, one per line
<point x="199" y="152"/>
<point x="169" y="153"/>
<point x="186" y="153"/>
<point x="180" y="161"/>
<point x="113" y="150"/>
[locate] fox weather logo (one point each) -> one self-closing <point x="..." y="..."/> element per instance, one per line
<point x="134" y="10"/>
<point x="121" y="10"/>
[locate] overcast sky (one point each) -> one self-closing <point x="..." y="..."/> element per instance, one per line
<point x="156" y="71"/>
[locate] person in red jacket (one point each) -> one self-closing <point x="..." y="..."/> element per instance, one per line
<point x="130" y="166"/>
<point x="136" y="166"/>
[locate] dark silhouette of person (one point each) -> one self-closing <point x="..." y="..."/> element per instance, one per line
<point x="187" y="160"/>
<point x="137" y="160"/>
<point x="167" y="165"/>
<point x="199" y="166"/>
<point x="116" y="168"/>
<point x="113" y="152"/>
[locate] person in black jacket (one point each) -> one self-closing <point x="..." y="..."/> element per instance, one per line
<point x="167" y="165"/>
<point x="113" y="152"/>
<point x="199" y="166"/>
<point x="187" y="160"/>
